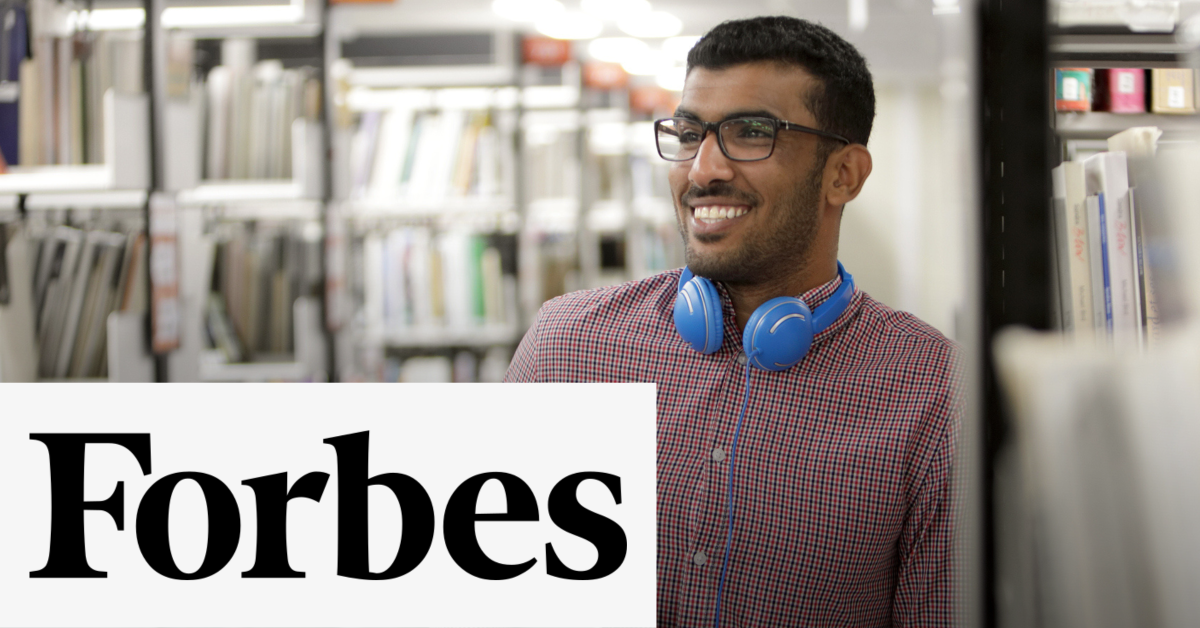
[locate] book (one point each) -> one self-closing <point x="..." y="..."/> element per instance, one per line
<point x="1119" y="90"/>
<point x="1101" y="306"/>
<point x="1073" y="89"/>
<point x="13" y="48"/>
<point x="403" y="154"/>
<point x="18" y="338"/>
<point x="1107" y="174"/>
<point x="250" y="113"/>
<point x="1173" y="91"/>
<point x="1074" y="252"/>
<point x="258" y="272"/>
<point x="417" y="279"/>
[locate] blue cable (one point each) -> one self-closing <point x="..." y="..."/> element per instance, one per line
<point x="733" y="450"/>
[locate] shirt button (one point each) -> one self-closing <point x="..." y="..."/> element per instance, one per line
<point x="742" y="359"/>
<point x="699" y="558"/>
<point x="718" y="454"/>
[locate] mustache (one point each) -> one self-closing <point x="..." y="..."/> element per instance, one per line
<point x="721" y="189"/>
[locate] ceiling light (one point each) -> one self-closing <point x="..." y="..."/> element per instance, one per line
<point x="672" y="79"/>
<point x="615" y="10"/>
<point x="616" y="49"/>
<point x="526" y="10"/>
<point x="649" y="63"/>
<point x="857" y="10"/>
<point x="679" y="47"/>
<point x="192" y="17"/>
<point x="109" y="19"/>
<point x="570" y="25"/>
<point x="651" y="25"/>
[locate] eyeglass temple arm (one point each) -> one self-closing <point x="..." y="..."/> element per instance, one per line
<point x="798" y="127"/>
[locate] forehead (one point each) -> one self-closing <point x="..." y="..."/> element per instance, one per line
<point x="714" y="94"/>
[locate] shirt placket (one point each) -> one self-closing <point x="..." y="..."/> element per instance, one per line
<point x="707" y="512"/>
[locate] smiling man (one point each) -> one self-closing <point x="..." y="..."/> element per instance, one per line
<point x="805" y="431"/>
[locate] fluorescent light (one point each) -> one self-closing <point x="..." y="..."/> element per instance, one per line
<point x="616" y="49"/>
<point x="188" y="17"/>
<point x="193" y="17"/>
<point x="570" y="25"/>
<point x="649" y="63"/>
<point x="108" y="19"/>
<point x="857" y="10"/>
<point x="615" y="10"/>
<point x="679" y="47"/>
<point x="672" y="79"/>
<point x="651" y="25"/>
<point x="526" y="10"/>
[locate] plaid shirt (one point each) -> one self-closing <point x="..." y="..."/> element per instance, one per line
<point x="842" y="483"/>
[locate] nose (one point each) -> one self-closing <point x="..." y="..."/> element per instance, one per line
<point x="710" y="164"/>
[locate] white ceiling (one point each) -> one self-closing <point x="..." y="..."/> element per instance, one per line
<point x="901" y="41"/>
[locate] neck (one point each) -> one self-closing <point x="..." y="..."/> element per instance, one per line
<point x="747" y="297"/>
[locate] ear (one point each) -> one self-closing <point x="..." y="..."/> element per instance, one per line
<point x="846" y="169"/>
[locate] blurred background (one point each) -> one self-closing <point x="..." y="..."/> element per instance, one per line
<point x="250" y="191"/>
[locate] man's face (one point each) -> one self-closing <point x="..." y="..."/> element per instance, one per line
<point x="771" y="207"/>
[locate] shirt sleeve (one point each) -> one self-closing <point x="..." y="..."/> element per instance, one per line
<point x="925" y="589"/>
<point x="523" y="368"/>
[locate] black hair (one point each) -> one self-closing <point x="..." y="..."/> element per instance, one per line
<point x="844" y="100"/>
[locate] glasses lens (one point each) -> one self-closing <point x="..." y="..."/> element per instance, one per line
<point x="678" y="138"/>
<point x="748" y="138"/>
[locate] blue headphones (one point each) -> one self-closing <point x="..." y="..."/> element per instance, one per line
<point x="779" y="332"/>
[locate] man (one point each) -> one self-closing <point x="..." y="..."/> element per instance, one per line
<point x="837" y="508"/>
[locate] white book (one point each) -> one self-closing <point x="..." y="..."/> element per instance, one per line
<point x="218" y="92"/>
<point x="373" y="286"/>
<point x="362" y="152"/>
<point x="1108" y="174"/>
<point x="1077" y="271"/>
<point x="420" y="278"/>
<point x="456" y="269"/>
<point x="389" y="153"/>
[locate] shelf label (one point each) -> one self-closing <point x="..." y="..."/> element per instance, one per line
<point x="1070" y="88"/>
<point x="164" y="273"/>
<point x="1175" y="97"/>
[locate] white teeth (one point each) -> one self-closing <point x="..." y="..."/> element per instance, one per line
<point x="717" y="213"/>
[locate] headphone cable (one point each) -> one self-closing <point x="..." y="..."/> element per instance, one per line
<point x="732" y="452"/>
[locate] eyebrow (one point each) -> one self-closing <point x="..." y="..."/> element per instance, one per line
<point x="754" y="113"/>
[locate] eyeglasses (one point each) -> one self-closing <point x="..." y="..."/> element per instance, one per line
<point x="740" y="139"/>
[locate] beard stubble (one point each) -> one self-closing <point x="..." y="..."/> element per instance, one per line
<point x="781" y="246"/>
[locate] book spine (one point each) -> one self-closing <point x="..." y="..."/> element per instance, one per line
<point x="1105" y="267"/>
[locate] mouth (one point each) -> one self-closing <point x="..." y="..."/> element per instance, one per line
<point x="713" y="214"/>
<point x="713" y="217"/>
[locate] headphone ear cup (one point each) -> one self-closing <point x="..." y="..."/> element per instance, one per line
<point x="778" y="334"/>
<point x="698" y="315"/>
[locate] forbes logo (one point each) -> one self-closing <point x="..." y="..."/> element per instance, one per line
<point x="272" y="494"/>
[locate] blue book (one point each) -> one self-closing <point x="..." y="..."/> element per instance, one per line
<point x="1108" y="312"/>
<point x="14" y="45"/>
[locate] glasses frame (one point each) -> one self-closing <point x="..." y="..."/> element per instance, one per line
<point x="705" y="127"/>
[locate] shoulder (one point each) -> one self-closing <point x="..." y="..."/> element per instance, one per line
<point x="903" y="337"/>
<point x="642" y="302"/>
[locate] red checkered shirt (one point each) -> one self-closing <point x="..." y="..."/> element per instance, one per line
<point x="842" y="504"/>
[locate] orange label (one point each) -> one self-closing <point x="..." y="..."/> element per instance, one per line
<point x="545" y="51"/>
<point x="600" y="75"/>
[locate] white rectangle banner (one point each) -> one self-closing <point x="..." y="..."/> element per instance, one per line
<point x="310" y="505"/>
